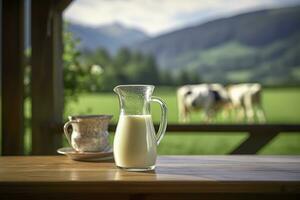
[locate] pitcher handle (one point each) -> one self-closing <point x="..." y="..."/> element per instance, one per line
<point x="67" y="133"/>
<point x="163" y="121"/>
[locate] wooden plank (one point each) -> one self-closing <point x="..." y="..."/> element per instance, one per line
<point x="255" y="142"/>
<point x="229" y="128"/>
<point x="47" y="78"/>
<point x="173" y="175"/>
<point x="151" y="196"/>
<point x="12" y="77"/>
<point x="224" y="128"/>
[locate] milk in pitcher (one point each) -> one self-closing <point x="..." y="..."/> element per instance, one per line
<point x="135" y="142"/>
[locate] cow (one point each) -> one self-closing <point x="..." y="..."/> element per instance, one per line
<point x="207" y="97"/>
<point x="246" y="100"/>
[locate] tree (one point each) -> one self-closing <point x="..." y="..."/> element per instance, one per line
<point x="99" y="71"/>
<point x="194" y="77"/>
<point x="122" y="58"/>
<point x="74" y="72"/>
<point x="99" y="57"/>
<point x="150" y="73"/>
<point x="166" y="78"/>
<point x="183" y="77"/>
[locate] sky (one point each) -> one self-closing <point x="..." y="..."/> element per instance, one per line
<point x="159" y="16"/>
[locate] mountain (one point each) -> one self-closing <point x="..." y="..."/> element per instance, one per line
<point x="125" y="35"/>
<point x="258" y="46"/>
<point x="110" y="36"/>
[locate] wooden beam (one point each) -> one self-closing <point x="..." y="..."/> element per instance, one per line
<point x="215" y="128"/>
<point x="228" y="128"/>
<point x="12" y="77"/>
<point x="60" y="5"/>
<point x="255" y="142"/>
<point x="47" y="76"/>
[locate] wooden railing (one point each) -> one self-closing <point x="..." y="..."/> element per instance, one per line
<point x="253" y="128"/>
<point x="259" y="135"/>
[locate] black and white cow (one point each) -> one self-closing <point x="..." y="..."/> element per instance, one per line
<point x="207" y="97"/>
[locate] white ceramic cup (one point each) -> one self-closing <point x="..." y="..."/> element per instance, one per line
<point x="89" y="132"/>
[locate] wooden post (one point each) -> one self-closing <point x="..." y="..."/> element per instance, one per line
<point x="47" y="76"/>
<point x="12" y="77"/>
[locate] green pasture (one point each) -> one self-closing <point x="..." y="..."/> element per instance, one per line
<point x="281" y="106"/>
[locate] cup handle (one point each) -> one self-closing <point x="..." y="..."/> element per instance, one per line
<point x="67" y="134"/>
<point x="163" y="122"/>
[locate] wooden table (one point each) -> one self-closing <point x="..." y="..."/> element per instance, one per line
<point x="176" y="177"/>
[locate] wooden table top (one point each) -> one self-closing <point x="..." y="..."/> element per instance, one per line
<point x="173" y="174"/>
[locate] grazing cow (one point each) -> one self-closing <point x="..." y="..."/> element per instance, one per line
<point x="246" y="99"/>
<point x="207" y="97"/>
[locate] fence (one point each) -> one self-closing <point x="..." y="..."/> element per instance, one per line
<point x="259" y="135"/>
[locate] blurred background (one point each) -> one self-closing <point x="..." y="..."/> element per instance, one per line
<point x="171" y="43"/>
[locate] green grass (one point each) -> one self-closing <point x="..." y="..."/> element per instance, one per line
<point x="281" y="105"/>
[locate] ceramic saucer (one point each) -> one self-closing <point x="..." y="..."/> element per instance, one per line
<point x="107" y="154"/>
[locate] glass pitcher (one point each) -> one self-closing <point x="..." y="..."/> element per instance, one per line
<point x="135" y="140"/>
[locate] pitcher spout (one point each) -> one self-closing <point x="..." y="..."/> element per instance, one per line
<point x="134" y="99"/>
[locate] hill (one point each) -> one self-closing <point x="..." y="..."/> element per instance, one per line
<point x="110" y="36"/>
<point x="259" y="46"/>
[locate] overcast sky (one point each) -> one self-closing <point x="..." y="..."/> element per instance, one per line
<point x="158" y="16"/>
